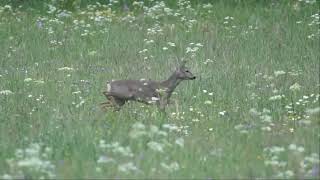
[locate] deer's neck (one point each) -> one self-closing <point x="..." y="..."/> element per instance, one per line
<point x="171" y="83"/>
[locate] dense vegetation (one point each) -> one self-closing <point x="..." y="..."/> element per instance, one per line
<point x="253" y="111"/>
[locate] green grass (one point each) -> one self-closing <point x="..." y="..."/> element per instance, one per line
<point x="241" y="78"/>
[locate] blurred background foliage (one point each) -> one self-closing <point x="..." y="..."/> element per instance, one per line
<point x="122" y="4"/>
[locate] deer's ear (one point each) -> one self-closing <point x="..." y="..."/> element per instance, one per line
<point x="183" y="63"/>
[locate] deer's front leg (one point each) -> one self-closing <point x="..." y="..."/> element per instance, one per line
<point x="117" y="102"/>
<point x="163" y="103"/>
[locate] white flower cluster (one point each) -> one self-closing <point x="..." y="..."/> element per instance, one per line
<point x="32" y="160"/>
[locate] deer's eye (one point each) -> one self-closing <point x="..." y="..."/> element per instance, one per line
<point x="187" y="71"/>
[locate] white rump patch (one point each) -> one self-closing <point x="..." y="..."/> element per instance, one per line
<point x="142" y="79"/>
<point x="145" y="84"/>
<point x="108" y="87"/>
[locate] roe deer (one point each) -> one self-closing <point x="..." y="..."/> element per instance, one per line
<point x="145" y="91"/>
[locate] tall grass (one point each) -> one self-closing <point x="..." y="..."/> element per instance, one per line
<point x="252" y="113"/>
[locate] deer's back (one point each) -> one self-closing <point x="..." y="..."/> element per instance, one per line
<point x="133" y="89"/>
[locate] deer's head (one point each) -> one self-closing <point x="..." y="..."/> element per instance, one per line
<point x="184" y="73"/>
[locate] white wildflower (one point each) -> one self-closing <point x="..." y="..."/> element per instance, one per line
<point x="207" y="6"/>
<point x="244" y="131"/>
<point x="80" y="103"/>
<point x="239" y="127"/>
<point x="171" y="44"/>
<point x="313" y="158"/>
<point x="254" y="112"/>
<point x="267" y="128"/>
<point x="30" y="162"/>
<point x="300" y="149"/>
<point x="154" y="129"/>
<point x="276" y="97"/>
<point x="195" y="120"/>
<point x="305" y="122"/>
<point x="222" y="113"/>
<point x="138" y="125"/>
<point x="313" y="111"/>
<point x="52" y="9"/>
<point x="64" y="13"/>
<point x="266" y="118"/>
<point x="276" y="149"/>
<point x="155" y="146"/>
<point x="170" y="127"/>
<point x="19" y="153"/>
<point x="98" y="169"/>
<point x="7" y="176"/>
<point x="125" y="151"/>
<point x="65" y="69"/>
<point x="33" y="158"/>
<point x="208" y="102"/>
<point x="92" y="53"/>
<point x="278" y="73"/>
<point x="272" y="162"/>
<point x="102" y="144"/>
<point x="189" y="49"/>
<point x="207" y="61"/>
<point x="266" y="111"/>
<point x="171" y="167"/>
<point x="162" y="133"/>
<point x="295" y="87"/>
<point x="148" y="41"/>
<point x="288" y="173"/>
<point x="7" y="6"/>
<point x="39" y="81"/>
<point x="27" y="80"/>
<point x="104" y="159"/>
<point x="138" y="3"/>
<point x="6" y="92"/>
<point x="76" y="92"/>
<point x="126" y="167"/>
<point x="292" y="147"/>
<point x="180" y="142"/>
<point x="136" y="133"/>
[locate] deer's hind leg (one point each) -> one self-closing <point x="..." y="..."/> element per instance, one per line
<point x="117" y="102"/>
<point x="106" y="104"/>
<point x="113" y="101"/>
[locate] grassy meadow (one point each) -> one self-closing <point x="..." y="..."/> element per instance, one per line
<point x="252" y="112"/>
